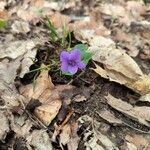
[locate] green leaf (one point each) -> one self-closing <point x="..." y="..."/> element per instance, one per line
<point x="86" y="56"/>
<point x="3" y="24"/>
<point x="82" y="47"/>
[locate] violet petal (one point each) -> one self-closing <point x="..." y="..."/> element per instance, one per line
<point x="72" y="69"/>
<point x="75" y="54"/>
<point x="64" y="66"/>
<point x="64" y="56"/>
<point x="81" y="65"/>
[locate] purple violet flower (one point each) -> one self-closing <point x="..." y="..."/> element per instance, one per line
<point x="71" y="62"/>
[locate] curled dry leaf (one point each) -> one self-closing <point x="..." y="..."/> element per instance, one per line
<point x="137" y="113"/>
<point x="46" y="93"/>
<point x="110" y="117"/>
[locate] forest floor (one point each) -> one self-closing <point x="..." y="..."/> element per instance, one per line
<point x="105" y="106"/>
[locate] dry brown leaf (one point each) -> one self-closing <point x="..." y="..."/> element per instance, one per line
<point x="74" y="139"/>
<point x="130" y="146"/>
<point x="4" y="127"/>
<point x="142" y="85"/>
<point x="95" y="136"/>
<point x="40" y="140"/>
<point x="145" y="98"/>
<point x="139" y="141"/>
<point x="21" y="125"/>
<point x="8" y="71"/>
<point x="4" y="15"/>
<point x="108" y="116"/>
<point x="140" y="114"/>
<point x="59" y="20"/>
<point x="18" y="48"/>
<point x="20" y="54"/>
<point x="117" y="65"/>
<point x="126" y="13"/>
<point x="46" y="93"/>
<point x="20" y="27"/>
<point x="65" y="135"/>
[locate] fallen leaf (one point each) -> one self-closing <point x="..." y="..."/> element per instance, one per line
<point x="8" y="72"/>
<point x="46" y="93"/>
<point x="140" y="114"/>
<point x="97" y="140"/>
<point x="40" y="140"/>
<point x="139" y="141"/>
<point x="131" y="146"/>
<point x="74" y="138"/>
<point x="117" y="65"/>
<point x="21" y="125"/>
<point x="21" y="53"/>
<point x="59" y="20"/>
<point x="16" y="48"/>
<point x="110" y="117"/>
<point x="4" y="127"/>
<point x="145" y="98"/>
<point x="65" y="134"/>
<point x="79" y="98"/>
<point x="20" y="27"/>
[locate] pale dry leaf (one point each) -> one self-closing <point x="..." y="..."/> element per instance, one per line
<point x="2" y="5"/>
<point x="125" y="12"/>
<point x="20" y="27"/>
<point x="104" y="51"/>
<point x="137" y="113"/>
<point x="4" y="127"/>
<point x="110" y="117"/>
<point x="40" y="140"/>
<point x="130" y="146"/>
<point x="47" y="94"/>
<point x="74" y="139"/>
<point x="59" y="20"/>
<point x="135" y="9"/>
<point x="43" y="82"/>
<point x="27" y="61"/>
<point x="8" y="71"/>
<point x="21" y="125"/>
<point x="15" y="49"/>
<point x="95" y="135"/>
<point x="47" y="112"/>
<point x="142" y="85"/>
<point x="92" y="143"/>
<point x="117" y="65"/>
<point x="65" y="134"/>
<point x="21" y="54"/>
<point x="4" y="15"/>
<point x="140" y="141"/>
<point x="145" y="98"/>
<point x="79" y="98"/>
<point x="11" y="99"/>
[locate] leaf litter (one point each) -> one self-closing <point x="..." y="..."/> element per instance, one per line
<point x="97" y="109"/>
